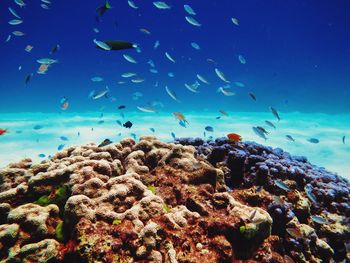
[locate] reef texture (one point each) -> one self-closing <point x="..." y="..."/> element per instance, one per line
<point x="186" y="201"/>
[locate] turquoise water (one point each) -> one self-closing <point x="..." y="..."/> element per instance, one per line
<point x="330" y="152"/>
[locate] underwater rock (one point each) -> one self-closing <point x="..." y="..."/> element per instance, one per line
<point x="190" y="200"/>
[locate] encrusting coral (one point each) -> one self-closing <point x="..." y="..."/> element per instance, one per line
<point x="187" y="201"/>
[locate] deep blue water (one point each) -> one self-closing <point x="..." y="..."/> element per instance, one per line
<point x="297" y="52"/>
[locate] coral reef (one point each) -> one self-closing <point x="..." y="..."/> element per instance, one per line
<point x="186" y="201"/>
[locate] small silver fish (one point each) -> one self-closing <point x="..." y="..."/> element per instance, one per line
<point x="15" y="22"/>
<point x="282" y="185"/>
<point x="161" y="5"/>
<point x="270" y="124"/>
<point x="310" y="194"/>
<point x="259" y="133"/>
<point x="221" y="75"/>
<point x="290" y="138"/>
<point x="102" y="45"/>
<point x="171" y="94"/>
<point x="343" y="139"/>
<point x="129" y="59"/>
<point x="201" y="78"/>
<point x="169" y="57"/>
<point x="13" y="12"/>
<point x="313" y="140"/>
<point x="192" y="21"/>
<point x="262" y="130"/>
<point x="319" y="220"/>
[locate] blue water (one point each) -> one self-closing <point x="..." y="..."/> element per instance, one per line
<point x="297" y="60"/>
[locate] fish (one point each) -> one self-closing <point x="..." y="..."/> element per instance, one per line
<point x="121" y="107"/>
<point x="313" y="140"/>
<point x="119" y="122"/>
<point x="63" y="138"/>
<point x="156" y="44"/>
<point x="102" y="45"/>
<point x="15" y="22"/>
<point x="3" y="131"/>
<point x="171" y="93"/>
<point x="96" y="30"/>
<point x="43" y="68"/>
<point x="41" y="155"/>
<point x="128" y="74"/>
<point x="169" y="57"/>
<point x="201" y="78"/>
<point x="282" y="185"/>
<point x="28" y="48"/>
<point x="275" y="113"/>
<point x="13" y="12"/>
<point x="146" y="31"/>
<point x="209" y="128"/>
<point x="132" y="4"/>
<point x="20" y="68"/>
<point x="8" y="38"/>
<point x="47" y="61"/>
<point x="146" y="109"/>
<point x="138" y="80"/>
<point x="136" y="95"/>
<point x="151" y="63"/>
<point x="223" y="112"/>
<point x="252" y="95"/>
<point x="60" y="147"/>
<point x="239" y="84"/>
<point x="153" y="70"/>
<point x="171" y="74"/>
<point x="45" y="6"/>
<point x="319" y="220"/>
<point x="192" y="21"/>
<point x="28" y="78"/>
<point x="20" y="3"/>
<point x="212" y="61"/>
<point x="343" y="139"/>
<point x="310" y="194"/>
<point x="56" y="48"/>
<point x="129" y="59"/>
<point x="38" y="127"/>
<point x="152" y="129"/>
<point x="294" y="232"/>
<point x="180" y="117"/>
<point x="114" y="45"/>
<point x="234" y="137"/>
<point x="241" y="59"/>
<point x="225" y="91"/>
<point x="191" y="88"/>
<point x="189" y="10"/>
<point x="64" y="103"/>
<point x="195" y="46"/>
<point x="18" y="33"/>
<point x="262" y="130"/>
<point x="96" y="79"/>
<point x="182" y="124"/>
<point x="128" y="124"/>
<point x="290" y="138"/>
<point x="259" y="133"/>
<point x="173" y="135"/>
<point x="105" y="143"/>
<point x="221" y="75"/>
<point x="269" y="123"/>
<point x="100" y="94"/>
<point x="235" y="21"/>
<point x="161" y="5"/>
<point x="102" y="9"/>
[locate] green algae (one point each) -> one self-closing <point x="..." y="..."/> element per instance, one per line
<point x="43" y="201"/>
<point x="59" y="197"/>
<point x="166" y="208"/>
<point x="152" y="188"/>
<point x="117" y="222"/>
<point x="60" y="232"/>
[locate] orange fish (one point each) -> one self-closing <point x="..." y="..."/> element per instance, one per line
<point x="180" y="116"/>
<point x="65" y="105"/>
<point x="2" y="131"/>
<point x="234" y="137"/>
<point x="43" y="68"/>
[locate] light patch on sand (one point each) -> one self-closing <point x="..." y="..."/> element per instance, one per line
<point x="330" y="153"/>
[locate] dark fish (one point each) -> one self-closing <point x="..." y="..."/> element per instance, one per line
<point x="101" y="122"/>
<point x="259" y="133"/>
<point x="282" y="185"/>
<point x="41" y="155"/>
<point x="119" y="122"/>
<point x="219" y="117"/>
<point x="262" y="130"/>
<point x="105" y="142"/>
<point x="290" y="138"/>
<point x="102" y="9"/>
<point x="128" y="124"/>
<point x="60" y="147"/>
<point x="133" y="135"/>
<point x="64" y="138"/>
<point x="319" y="220"/>
<point x="343" y="139"/>
<point x="28" y="78"/>
<point x="121" y="107"/>
<point x="182" y="123"/>
<point x="270" y="124"/>
<point x="173" y="135"/>
<point x="313" y="140"/>
<point x="275" y="113"/>
<point x="152" y="129"/>
<point x="209" y="128"/>
<point x="118" y="44"/>
<point x="37" y="127"/>
<point x="55" y="49"/>
<point x="252" y="95"/>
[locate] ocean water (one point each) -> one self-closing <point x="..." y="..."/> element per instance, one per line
<point x="292" y="55"/>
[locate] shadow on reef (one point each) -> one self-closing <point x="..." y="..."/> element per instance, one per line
<point x="187" y="201"/>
